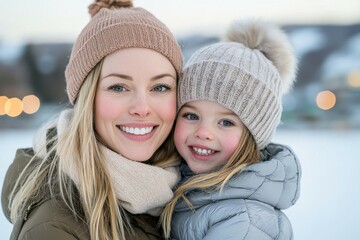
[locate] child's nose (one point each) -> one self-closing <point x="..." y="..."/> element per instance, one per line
<point x="204" y="133"/>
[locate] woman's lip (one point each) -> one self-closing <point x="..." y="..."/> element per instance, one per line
<point x="137" y="125"/>
<point x="138" y="137"/>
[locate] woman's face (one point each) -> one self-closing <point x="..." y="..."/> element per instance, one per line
<point x="135" y="103"/>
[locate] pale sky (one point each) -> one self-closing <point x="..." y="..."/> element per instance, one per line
<point x="57" y="21"/>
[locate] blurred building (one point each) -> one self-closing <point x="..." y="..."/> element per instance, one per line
<point x="34" y="69"/>
<point x="329" y="60"/>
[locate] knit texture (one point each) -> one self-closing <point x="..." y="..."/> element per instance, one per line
<point x="241" y="79"/>
<point x="114" y="29"/>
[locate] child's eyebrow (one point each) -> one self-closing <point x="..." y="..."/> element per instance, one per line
<point x="228" y="113"/>
<point x="186" y="105"/>
<point x="225" y="112"/>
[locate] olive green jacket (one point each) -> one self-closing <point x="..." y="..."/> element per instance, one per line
<point x="48" y="217"/>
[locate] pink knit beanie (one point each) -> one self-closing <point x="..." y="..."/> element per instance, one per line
<point x="248" y="74"/>
<point x="115" y="25"/>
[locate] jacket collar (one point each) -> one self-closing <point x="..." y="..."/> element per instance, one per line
<point x="275" y="181"/>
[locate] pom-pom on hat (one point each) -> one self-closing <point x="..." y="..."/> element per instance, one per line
<point x="115" y="25"/>
<point x="248" y="74"/>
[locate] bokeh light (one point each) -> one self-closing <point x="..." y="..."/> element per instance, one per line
<point x="326" y="100"/>
<point x="3" y="100"/>
<point x="31" y="104"/>
<point x="353" y="79"/>
<point x="13" y="107"/>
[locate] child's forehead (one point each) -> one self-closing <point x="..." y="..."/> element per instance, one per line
<point x="208" y="105"/>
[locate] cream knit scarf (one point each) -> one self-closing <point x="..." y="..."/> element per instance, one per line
<point x="140" y="188"/>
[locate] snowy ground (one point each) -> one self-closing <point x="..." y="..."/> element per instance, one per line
<point x="328" y="208"/>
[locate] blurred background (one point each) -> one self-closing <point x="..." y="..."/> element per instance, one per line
<point x="321" y="118"/>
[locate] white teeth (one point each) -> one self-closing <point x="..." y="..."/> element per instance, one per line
<point x="137" y="131"/>
<point x="203" y="151"/>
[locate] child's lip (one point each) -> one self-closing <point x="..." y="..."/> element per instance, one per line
<point x="202" y="151"/>
<point x="202" y="147"/>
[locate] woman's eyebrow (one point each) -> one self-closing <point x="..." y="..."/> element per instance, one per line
<point x="126" y="77"/>
<point x="161" y="76"/>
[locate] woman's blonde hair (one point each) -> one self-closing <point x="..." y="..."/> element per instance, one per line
<point x="80" y="145"/>
<point x="245" y="154"/>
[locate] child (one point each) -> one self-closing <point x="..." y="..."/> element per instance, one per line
<point x="234" y="182"/>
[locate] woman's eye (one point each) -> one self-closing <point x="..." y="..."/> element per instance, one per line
<point x="118" y="88"/>
<point x="161" y="88"/>
<point x="226" y="123"/>
<point x="191" y="116"/>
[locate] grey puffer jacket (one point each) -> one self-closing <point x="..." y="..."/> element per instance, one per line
<point x="249" y="206"/>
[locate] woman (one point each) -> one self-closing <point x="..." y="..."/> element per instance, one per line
<point x="105" y="168"/>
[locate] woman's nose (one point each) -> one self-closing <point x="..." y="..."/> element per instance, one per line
<point x="139" y="106"/>
<point x="204" y="133"/>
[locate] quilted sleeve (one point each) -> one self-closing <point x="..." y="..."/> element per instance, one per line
<point x="236" y="219"/>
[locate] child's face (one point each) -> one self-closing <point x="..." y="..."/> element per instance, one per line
<point x="206" y="134"/>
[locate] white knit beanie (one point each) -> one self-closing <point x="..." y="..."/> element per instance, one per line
<point x="248" y="74"/>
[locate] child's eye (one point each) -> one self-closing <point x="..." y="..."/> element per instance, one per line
<point x="191" y="116"/>
<point x="226" y="123"/>
<point x="161" y="88"/>
<point x="117" y="88"/>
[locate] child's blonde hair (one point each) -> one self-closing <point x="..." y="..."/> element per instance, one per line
<point x="245" y="154"/>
